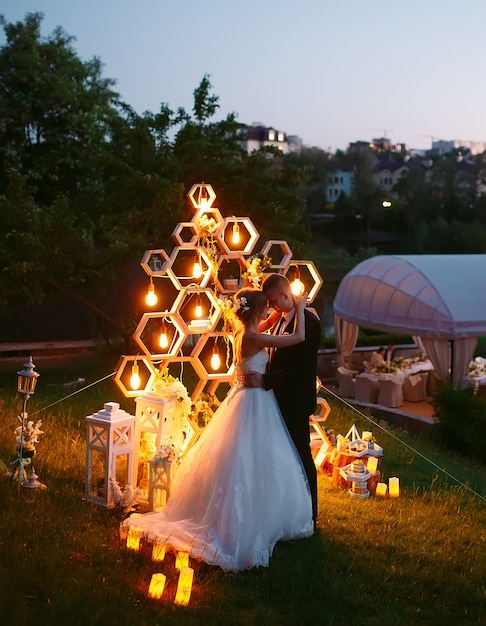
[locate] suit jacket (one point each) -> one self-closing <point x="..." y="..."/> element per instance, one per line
<point x="292" y="371"/>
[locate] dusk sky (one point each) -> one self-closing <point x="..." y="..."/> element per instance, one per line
<point x="329" y="72"/>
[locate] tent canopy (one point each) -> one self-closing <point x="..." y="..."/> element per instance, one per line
<point x="440" y="296"/>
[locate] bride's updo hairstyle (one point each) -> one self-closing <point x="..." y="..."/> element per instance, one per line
<point x="249" y="302"/>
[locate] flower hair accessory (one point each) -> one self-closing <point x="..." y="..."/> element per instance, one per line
<point x="241" y="304"/>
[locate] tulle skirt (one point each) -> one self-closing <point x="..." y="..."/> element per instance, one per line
<point x="239" y="490"/>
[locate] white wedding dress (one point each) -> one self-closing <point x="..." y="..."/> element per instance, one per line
<point x="240" y="489"/>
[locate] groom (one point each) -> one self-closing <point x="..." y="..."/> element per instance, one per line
<point x="292" y="374"/>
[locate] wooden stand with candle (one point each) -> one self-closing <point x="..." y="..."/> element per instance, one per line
<point x="340" y="459"/>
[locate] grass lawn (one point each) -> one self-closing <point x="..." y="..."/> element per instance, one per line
<point x="418" y="559"/>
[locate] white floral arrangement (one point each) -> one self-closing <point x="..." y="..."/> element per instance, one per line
<point x="255" y="267"/>
<point x="167" y="452"/>
<point x="207" y="225"/>
<point x="124" y="498"/>
<point x="27" y="434"/>
<point x="26" y="438"/>
<point x="170" y="388"/>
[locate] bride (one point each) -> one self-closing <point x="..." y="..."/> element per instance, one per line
<point x="242" y="487"/>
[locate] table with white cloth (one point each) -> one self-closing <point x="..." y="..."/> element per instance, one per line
<point x="476" y="380"/>
<point x="400" y="375"/>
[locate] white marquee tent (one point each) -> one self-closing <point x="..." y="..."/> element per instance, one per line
<point x="439" y="299"/>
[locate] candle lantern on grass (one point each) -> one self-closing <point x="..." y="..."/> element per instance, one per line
<point x="159" y="483"/>
<point x="394" y="487"/>
<point x="157" y="584"/>
<point x="184" y="586"/>
<point x="109" y="452"/>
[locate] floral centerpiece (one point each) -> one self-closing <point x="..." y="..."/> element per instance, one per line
<point x="255" y="268"/>
<point x="399" y="363"/>
<point x="385" y="367"/>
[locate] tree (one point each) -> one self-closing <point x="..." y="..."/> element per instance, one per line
<point x="55" y="113"/>
<point x="87" y="185"/>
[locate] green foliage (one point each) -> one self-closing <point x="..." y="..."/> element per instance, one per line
<point x="462" y="420"/>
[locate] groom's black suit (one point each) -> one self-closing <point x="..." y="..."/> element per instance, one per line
<point x="292" y="376"/>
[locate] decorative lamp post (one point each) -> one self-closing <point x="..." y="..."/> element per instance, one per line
<point x="26" y="382"/>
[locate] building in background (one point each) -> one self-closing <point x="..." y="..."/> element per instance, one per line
<point x="259" y="136"/>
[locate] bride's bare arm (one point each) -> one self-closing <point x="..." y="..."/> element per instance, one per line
<point x="269" y="322"/>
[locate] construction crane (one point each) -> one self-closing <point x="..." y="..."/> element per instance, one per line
<point x="433" y="137"/>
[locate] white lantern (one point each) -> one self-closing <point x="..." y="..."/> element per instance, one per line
<point x="155" y="426"/>
<point x="109" y="452"/>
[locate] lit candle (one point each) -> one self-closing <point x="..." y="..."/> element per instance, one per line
<point x="381" y="489"/>
<point x="133" y="538"/>
<point x="156" y="588"/>
<point x="372" y="464"/>
<point x="182" y="560"/>
<point x="394" y="487"/>
<point x="184" y="586"/>
<point x="158" y="551"/>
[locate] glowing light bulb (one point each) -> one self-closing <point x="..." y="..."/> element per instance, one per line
<point x="297" y="286"/>
<point x="235" y="238"/>
<point x="135" y="381"/>
<point x="151" y="298"/>
<point x="215" y="359"/>
<point x="163" y="339"/>
<point x="197" y="269"/>
<point x="199" y="309"/>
